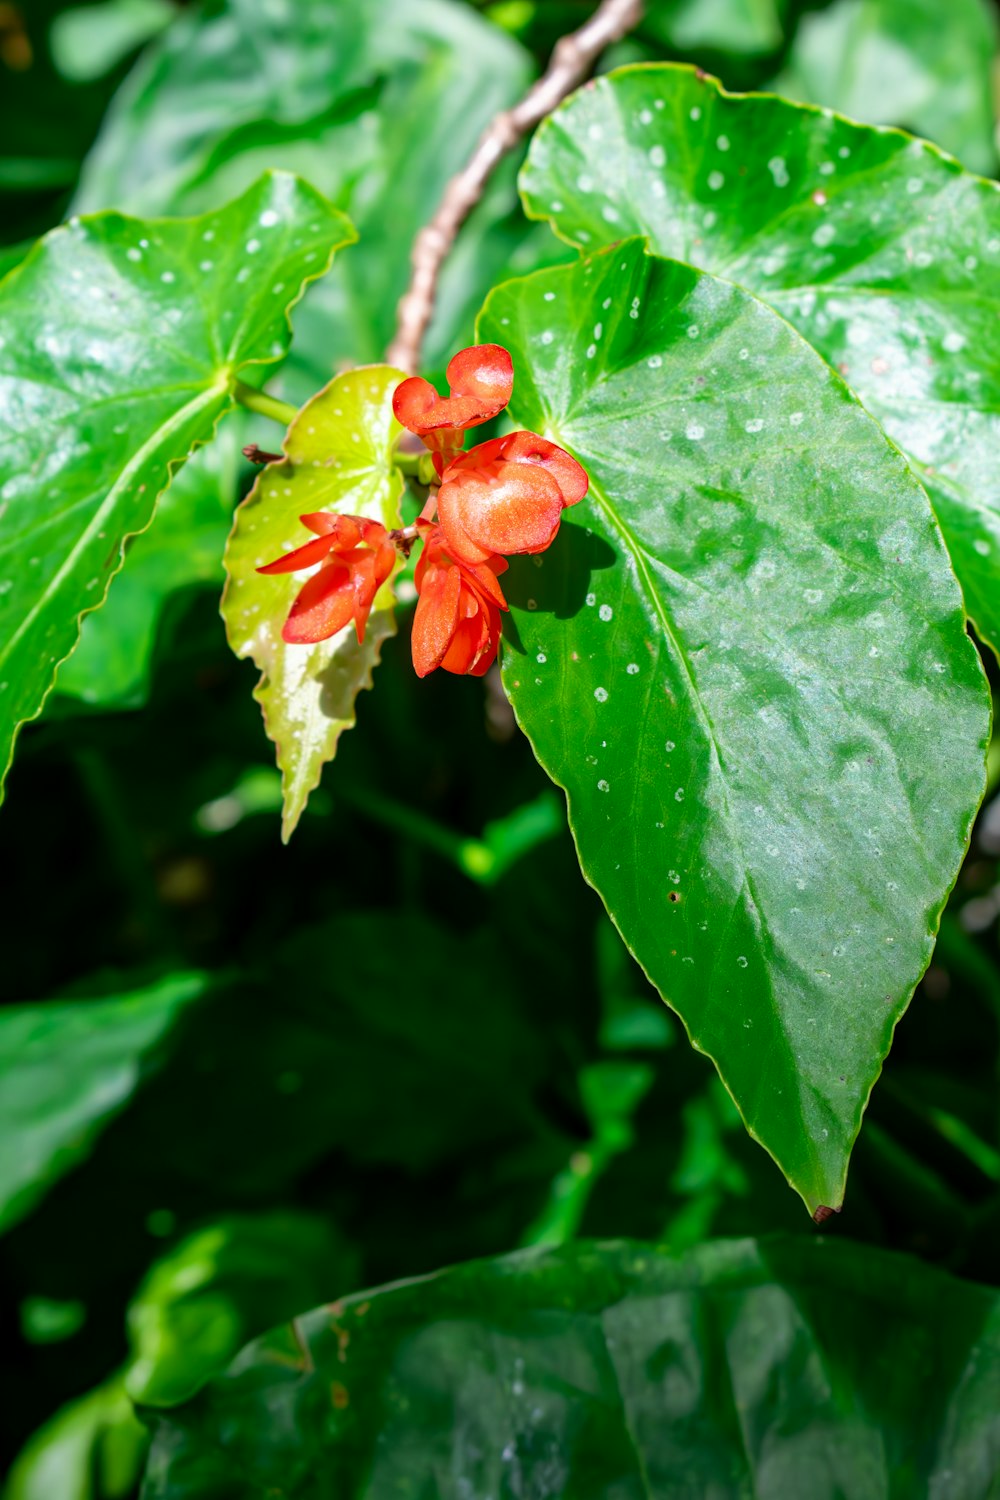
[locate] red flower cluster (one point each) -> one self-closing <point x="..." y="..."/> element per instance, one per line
<point x="356" y="558"/>
<point x="502" y="497"/>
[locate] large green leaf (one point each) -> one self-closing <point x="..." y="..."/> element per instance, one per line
<point x="338" y="456"/>
<point x="378" y="104"/>
<point x="120" y="341"/>
<point x="745" y="660"/>
<point x="66" y="1069"/>
<point x="914" y="63"/>
<point x="881" y="251"/>
<point x="615" y="1370"/>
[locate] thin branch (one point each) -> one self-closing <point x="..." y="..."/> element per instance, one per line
<point x="571" y="63"/>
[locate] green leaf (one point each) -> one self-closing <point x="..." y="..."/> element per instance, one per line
<point x="882" y="252"/>
<point x="742" y="1368"/>
<point x="221" y="1286"/>
<point x="903" y="62"/>
<point x="377" y="104"/>
<point x="92" y="1449"/>
<point x="745" y="660"/>
<point x="119" y="344"/>
<point x="112" y="664"/>
<point x="741" y="27"/>
<point x="338" y="456"/>
<point x="66" y="1069"/>
<point x="90" y="40"/>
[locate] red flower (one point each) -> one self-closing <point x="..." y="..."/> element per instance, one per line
<point x="457" y="620"/>
<point x="507" y="496"/>
<point x="357" y="557"/>
<point x="480" y="379"/>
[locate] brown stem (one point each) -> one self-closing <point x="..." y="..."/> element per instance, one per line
<point x="260" y="455"/>
<point x="403" y="539"/>
<point x="571" y="62"/>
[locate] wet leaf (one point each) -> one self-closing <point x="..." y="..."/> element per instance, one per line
<point x="377" y="104"/>
<point x="745" y="660"/>
<point x="741" y="1368"/>
<point x="119" y="343"/>
<point x="880" y="250"/>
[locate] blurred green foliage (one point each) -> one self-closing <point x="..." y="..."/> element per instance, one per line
<point x="412" y="1037"/>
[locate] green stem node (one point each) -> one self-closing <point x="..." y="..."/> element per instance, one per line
<point x="263" y="404"/>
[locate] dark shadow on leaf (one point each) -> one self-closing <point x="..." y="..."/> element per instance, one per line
<point x="558" y="581"/>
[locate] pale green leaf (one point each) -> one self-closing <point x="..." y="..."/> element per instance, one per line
<point x="338" y="456"/>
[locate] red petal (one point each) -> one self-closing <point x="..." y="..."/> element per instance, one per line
<point x="517" y="510"/>
<point x="324" y="605"/>
<point x="483" y="373"/>
<point x="489" y="655"/>
<point x="345" y="530"/>
<point x="385" y="561"/>
<point x="373" y="533"/>
<point x="479" y="456"/>
<point x="411" y="399"/>
<point x="303" y="557"/>
<point x="481" y="379"/>
<point x="483" y="579"/>
<point x="436" y="618"/>
<point x="362" y="567"/>
<point x="528" y="447"/>
<point x="466" y="646"/>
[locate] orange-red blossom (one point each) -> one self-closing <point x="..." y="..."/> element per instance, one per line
<point x="356" y="558"/>
<point x="503" y="497"/>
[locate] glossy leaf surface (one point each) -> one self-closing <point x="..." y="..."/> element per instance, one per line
<point x="338" y="457"/>
<point x="745" y="660"/>
<point x="119" y="341"/>
<point x="903" y="62"/>
<point x="112" y="664"/>
<point x="878" y="248"/>
<point x="377" y="104"/>
<point x="66" y="1069"/>
<point x="743" y="1368"/>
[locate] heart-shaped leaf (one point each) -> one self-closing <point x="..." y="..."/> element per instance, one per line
<point x="877" y="247"/>
<point x="120" y="341"/>
<point x="615" y="1370"/>
<point x="745" y="659"/>
<point x="338" y="456"/>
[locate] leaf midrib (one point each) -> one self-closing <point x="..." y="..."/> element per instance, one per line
<point x="107" y="506"/>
